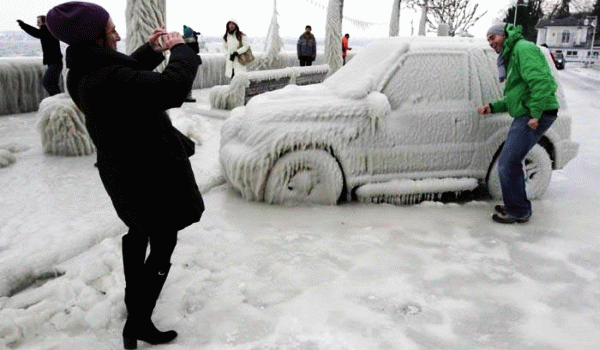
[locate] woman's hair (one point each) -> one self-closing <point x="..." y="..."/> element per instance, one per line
<point x="238" y="33"/>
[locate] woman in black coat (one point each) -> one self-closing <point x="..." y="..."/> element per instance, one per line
<point x="142" y="159"/>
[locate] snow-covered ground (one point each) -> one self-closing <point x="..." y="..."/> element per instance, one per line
<point x="353" y="276"/>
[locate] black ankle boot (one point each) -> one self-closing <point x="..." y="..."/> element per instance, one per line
<point x="144" y="330"/>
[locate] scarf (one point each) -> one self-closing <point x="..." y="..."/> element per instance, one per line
<point x="501" y="68"/>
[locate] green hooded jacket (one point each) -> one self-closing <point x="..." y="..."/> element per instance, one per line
<point x="530" y="87"/>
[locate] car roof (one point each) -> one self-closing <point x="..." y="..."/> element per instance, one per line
<point x="367" y="70"/>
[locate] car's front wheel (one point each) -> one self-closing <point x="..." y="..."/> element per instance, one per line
<point x="309" y="176"/>
<point x="538" y="172"/>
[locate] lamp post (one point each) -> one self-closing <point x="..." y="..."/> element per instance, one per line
<point x="516" y="9"/>
<point x="593" y="24"/>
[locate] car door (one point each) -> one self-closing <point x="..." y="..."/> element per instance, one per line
<point x="433" y="116"/>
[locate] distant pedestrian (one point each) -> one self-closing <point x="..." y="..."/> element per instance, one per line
<point x="191" y="39"/>
<point x="306" y="47"/>
<point x="345" y="47"/>
<point x="51" y="51"/>
<point x="235" y="43"/>
<point x="142" y="159"/>
<point x="529" y="98"/>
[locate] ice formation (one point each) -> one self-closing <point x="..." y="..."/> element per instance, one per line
<point x="230" y="96"/>
<point x="6" y="158"/>
<point x="21" y="88"/>
<point x="273" y="43"/>
<point x="143" y="16"/>
<point x="413" y="191"/>
<point x="405" y="109"/>
<point x="234" y="95"/>
<point x="62" y="127"/>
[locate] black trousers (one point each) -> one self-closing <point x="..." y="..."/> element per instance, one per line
<point x="51" y="79"/>
<point x="305" y="62"/>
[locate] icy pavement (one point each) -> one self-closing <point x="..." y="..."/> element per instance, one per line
<point x="253" y="276"/>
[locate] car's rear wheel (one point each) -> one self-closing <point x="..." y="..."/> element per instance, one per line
<point x="309" y="176"/>
<point x="538" y="172"/>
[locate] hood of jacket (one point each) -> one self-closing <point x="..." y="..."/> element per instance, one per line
<point x="515" y="33"/>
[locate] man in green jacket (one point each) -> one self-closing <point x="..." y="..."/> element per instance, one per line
<point x="529" y="98"/>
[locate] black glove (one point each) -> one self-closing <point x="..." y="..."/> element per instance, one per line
<point x="232" y="56"/>
<point x="20" y="22"/>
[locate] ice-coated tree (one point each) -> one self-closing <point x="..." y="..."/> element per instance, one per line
<point x="459" y="15"/>
<point x="143" y="16"/>
<point x="333" y="35"/>
<point x="395" y="20"/>
<point x="423" y="21"/>
<point x="273" y="44"/>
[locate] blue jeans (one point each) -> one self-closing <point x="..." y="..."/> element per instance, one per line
<point x="519" y="141"/>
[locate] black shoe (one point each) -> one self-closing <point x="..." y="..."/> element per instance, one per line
<point x="189" y="99"/>
<point x="508" y="219"/>
<point x="500" y="209"/>
<point x="144" y="331"/>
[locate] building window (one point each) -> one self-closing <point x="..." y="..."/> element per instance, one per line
<point x="566" y="36"/>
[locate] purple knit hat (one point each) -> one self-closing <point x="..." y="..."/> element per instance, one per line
<point x="76" y="21"/>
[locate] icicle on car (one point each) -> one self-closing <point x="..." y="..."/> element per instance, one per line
<point x="398" y="123"/>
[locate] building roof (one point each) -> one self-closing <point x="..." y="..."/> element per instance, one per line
<point x="564" y="22"/>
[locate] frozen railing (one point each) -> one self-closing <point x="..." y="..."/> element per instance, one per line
<point x="21" y="89"/>
<point x="244" y="86"/>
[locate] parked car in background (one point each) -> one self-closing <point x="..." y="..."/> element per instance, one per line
<point x="398" y="123"/>
<point x="559" y="60"/>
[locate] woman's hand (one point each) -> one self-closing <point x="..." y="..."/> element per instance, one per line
<point x="154" y="40"/>
<point x="171" y="40"/>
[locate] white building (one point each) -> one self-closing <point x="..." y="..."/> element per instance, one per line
<point x="569" y="36"/>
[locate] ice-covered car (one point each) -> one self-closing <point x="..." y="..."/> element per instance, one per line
<point x="397" y="123"/>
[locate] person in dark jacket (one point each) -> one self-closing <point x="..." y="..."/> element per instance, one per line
<point x="190" y="37"/>
<point x="307" y="48"/>
<point x="142" y="159"/>
<point x="529" y="98"/>
<point x="51" y="53"/>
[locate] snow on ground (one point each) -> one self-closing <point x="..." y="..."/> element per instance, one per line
<point x="254" y="276"/>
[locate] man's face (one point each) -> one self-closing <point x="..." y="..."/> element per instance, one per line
<point x="308" y="29"/>
<point x="112" y="37"/>
<point x="496" y="42"/>
<point x="39" y="22"/>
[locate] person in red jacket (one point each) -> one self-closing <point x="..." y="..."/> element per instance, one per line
<point x="345" y="47"/>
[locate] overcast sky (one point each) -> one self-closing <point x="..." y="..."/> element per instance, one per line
<point x="209" y="16"/>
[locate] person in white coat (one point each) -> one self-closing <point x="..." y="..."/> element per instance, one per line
<point x="232" y="47"/>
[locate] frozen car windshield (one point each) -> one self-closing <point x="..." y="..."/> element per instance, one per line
<point x="363" y="73"/>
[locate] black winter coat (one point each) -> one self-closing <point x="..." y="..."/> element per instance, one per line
<point x="50" y="45"/>
<point x="306" y="47"/>
<point x="142" y="159"/>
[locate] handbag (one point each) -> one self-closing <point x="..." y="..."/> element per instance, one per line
<point x="246" y="57"/>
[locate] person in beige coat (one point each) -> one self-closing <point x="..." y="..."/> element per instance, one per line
<point x="231" y="45"/>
